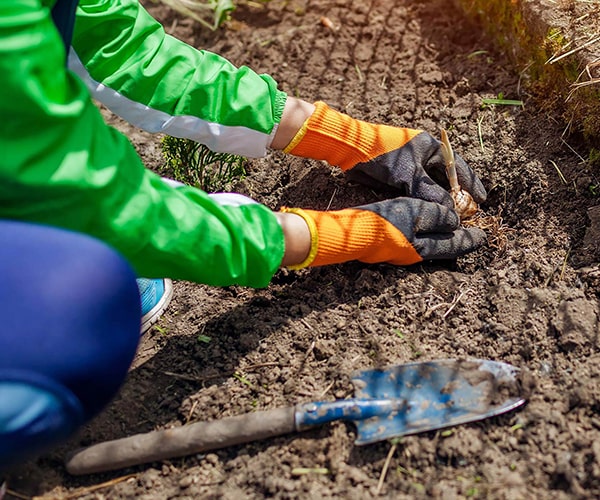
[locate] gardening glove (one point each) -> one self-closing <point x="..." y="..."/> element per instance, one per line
<point x="379" y="154"/>
<point x="399" y="231"/>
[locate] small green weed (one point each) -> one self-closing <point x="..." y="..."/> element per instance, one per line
<point x="501" y="101"/>
<point x="398" y="333"/>
<point x="161" y="329"/>
<point x="243" y="380"/>
<point x="472" y="492"/>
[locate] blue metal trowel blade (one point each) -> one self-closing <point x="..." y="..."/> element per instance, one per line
<point x="435" y="395"/>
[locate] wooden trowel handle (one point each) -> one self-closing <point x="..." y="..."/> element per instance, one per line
<point x="179" y="441"/>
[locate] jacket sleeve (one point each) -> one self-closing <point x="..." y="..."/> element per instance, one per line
<point x="62" y="165"/>
<point x="161" y="84"/>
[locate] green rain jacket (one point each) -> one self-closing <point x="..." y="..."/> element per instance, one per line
<point x="61" y="165"/>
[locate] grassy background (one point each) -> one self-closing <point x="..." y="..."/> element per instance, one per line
<point x="519" y="29"/>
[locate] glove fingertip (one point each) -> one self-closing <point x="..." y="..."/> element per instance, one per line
<point x="477" y="236"/>
<point x="469" y="181"/>
<point x="478" y="192"/>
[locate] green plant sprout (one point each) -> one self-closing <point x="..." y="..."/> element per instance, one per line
<point x="404" y="470"/>
<point x="476" y="53"/>
<point x="162" y="330"/>
<point x="192" y="163"/>
<point x="243" y="380"/>
<point x="501" y="101"/>
<point x="471" y="492"/>
<point x="209" y="13"/>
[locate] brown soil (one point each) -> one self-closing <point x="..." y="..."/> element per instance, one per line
<point x="530" y="298"/>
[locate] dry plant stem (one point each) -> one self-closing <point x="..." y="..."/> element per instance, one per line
<point x="80" y="492"/>
<point x="464" y="203"/>
<point x="386" y="466"/>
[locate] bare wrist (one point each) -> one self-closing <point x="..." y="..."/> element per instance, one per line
<point x="297" y="238"/>
<point x="295" y="113"/>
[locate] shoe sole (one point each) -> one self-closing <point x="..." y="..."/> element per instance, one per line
<point x="155" y="313"/>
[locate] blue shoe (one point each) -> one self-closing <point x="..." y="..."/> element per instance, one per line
<point x="155" y="295"/>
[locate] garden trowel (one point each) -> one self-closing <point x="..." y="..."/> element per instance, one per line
<point x="389" y="402"/>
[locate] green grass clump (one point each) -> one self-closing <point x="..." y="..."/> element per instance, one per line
<point x="533" y="47"/>
<point x="194" y="164"/>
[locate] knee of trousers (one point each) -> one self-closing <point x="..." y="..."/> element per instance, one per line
<point x="71" y="316"/>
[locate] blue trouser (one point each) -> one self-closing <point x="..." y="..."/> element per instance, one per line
<point x="69" y="329"/>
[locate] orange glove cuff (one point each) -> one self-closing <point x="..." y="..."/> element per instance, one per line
<point x="344" y="141"/>
<point x="354" y="234"/>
